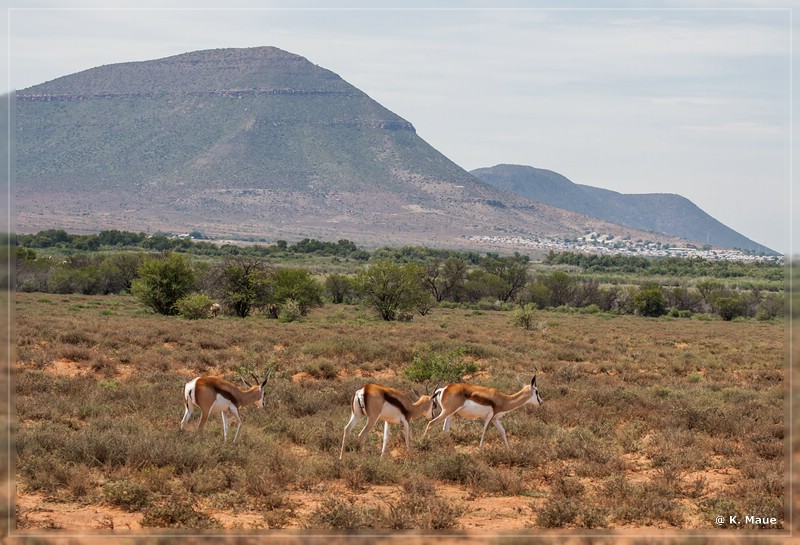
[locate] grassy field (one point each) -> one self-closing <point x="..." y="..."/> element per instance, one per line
<point x="646" y="423"/>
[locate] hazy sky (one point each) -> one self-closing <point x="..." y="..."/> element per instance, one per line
<point x="678" y="97"/>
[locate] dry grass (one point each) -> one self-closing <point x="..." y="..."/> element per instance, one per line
<point x="645" y="423"/>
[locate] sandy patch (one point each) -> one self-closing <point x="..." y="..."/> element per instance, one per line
<point x="66" y="367"/>
<point x="39" y="511"/>
<point x="302" y="377"/>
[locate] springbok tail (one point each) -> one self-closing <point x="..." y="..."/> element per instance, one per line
<point x="359" y="403"/>
<point x="188" y="397"/>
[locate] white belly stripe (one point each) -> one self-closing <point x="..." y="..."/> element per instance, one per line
<point x="473" y="410"/>
<point x="220" y="404"/>
<point x="391" y="414"/>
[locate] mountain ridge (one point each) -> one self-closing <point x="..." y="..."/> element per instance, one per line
<point x="253" y="142"/>
<point x="667" y="213"/>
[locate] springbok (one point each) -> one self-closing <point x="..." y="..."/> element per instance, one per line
<point x="216" y="395"/>
<point x="392" y="406"/>
<point x="473" y="401"/>
<point x="214" y="309"/>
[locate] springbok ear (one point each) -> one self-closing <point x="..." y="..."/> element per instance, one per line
<point x="533" y="382"/>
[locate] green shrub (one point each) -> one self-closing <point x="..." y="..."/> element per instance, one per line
<point x="290" y="312"/>
<point x="129" y="495"/>
<point x="772" y="306"/>
<point x="449" y="367"/>
<point x="419" y="511"/>
<point x="590" y="309"/>
<point x="325" y="370"/>
<point x="162" y="281"/>
<point x="558" y="512"/>
<point x="194" y="306"/>
<point x="649" y="300"/>
<point x="390" y="287"/>
<point x="241" y="283"/>
<point x="77" y="338"/>
<point x="730" y="307"/>
<point x="524" y="316"/>
<point x="339" y="514"/>
<point x="178" y="513"/>
<point x="298" y="287"/>
<point x="455" y="467"/>
<point x="44" y="473"/>
<point x="646" y="502"/>
<point x="423" y="511"/>
<point x="339" y="288"/>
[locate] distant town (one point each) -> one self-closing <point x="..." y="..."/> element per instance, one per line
<point x="597" y="243"/>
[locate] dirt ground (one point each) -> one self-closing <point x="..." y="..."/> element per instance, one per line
<point x="498" y="514"/>
<point x="480" y="514"/>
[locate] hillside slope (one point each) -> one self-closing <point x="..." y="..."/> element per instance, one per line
<point x="249" y="143"/>
<point x="660" y="212"/>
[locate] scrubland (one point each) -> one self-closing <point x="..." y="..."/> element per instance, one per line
<point x="647" y="423"/>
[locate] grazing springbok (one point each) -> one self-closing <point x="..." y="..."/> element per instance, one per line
<point x="216" y="395"/>
<point x="392" y="406"/>
<point x="473" y="401"/>
<point x="215" y="308"/>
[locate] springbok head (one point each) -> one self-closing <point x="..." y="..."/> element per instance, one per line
<point x="260" y="384"/>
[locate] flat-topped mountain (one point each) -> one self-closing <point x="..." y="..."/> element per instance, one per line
<point x="247" y="143"/>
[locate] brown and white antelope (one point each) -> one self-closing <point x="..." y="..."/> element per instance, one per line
<point x="216" y="395"/>
<point x="214" y="309"/>
<point x="473" y="401"/>
<point x="378" y="402"/>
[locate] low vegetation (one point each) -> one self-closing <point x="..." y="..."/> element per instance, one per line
<point x="646" y="422"/>
<point x="396" y="283"/>
<point x="663" y="384"/>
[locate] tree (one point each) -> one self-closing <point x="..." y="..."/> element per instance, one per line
<point x="561" y="287"/>
<point x="538" y="293"/>
<point x="117" y="271"/>
<point x="444" y="278"/>
<point x="390" y="287"/>
<point x="296" y="285"/>
<point x="772" y="305"/>
<point x="513" y="271"/>
<point x="242" y="283"/>
<point x="338" y="288"/>
<point x="162" y="281"/>
<point x="31" y="273"/>
<point x="481" y="284"/>
<point x="683" y="298"/>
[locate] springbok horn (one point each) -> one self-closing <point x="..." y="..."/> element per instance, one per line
<point x="267" y="378"/>
<point x="241" y="376"/>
